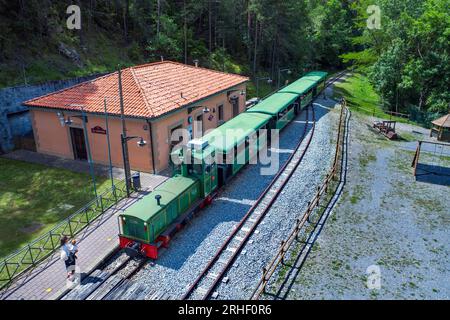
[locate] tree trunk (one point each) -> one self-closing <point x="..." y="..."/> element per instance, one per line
<point x="256" y="47"/>
<point x="210" y="27"/>
<point x="126" y="15"/>
<point x="158" y="13"/>
<point x="185" y="32"/>
<point x="249" y="26"/>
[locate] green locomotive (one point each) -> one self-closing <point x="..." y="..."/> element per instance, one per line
<point x="209" y="163"/>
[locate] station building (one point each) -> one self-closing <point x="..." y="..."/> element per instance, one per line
<point x="158" y="98"/>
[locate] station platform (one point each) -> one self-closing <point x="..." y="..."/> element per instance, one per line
<point x="96" y="242"/>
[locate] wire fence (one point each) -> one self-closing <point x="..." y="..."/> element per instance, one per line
<point x="36" y="251"/>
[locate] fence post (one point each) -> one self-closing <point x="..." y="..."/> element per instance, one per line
<point x="51" y="240"/>
<point x="282" y="251"/>
<point x="70" y="228"/>
<point x="31" y="254"/>
<point x="264" y="270"/>
<point x="87" y="215"/>
<point x="115" y="194"/>
<point x="7" y="270"/>
<point x="101" y="202"/>
<point x="318" y="196"/>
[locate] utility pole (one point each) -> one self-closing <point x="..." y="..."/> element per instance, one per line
<point x="123" y="136"/>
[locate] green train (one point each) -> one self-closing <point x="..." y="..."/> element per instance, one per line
<point x="207" y="164"/>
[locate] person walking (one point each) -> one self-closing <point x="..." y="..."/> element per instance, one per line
<point x="67" y="255"/>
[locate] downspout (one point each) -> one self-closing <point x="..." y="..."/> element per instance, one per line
<point x="151" y="146"/>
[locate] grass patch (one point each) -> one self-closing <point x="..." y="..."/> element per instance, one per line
<point x="361" y="97"/>
<point x="366" y="158"/>
<point x="34" y="198"/>
<point x="357" y="194"/>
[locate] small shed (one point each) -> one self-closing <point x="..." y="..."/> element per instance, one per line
<point x="441" y="128"/>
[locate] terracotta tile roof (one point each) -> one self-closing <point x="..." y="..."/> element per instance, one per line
<point x="149" y="90"/>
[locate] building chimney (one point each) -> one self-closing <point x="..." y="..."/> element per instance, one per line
<point x="196" y="63"/>
<point x="162" y="58"/>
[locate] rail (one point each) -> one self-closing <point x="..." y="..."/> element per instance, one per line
<point x="36" y="251"/>
<point x="279" y="257"/>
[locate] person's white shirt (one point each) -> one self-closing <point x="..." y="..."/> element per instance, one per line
<point x="65" y="251"/>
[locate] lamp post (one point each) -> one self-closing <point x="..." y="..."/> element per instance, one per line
<point x="269" y="80"/>
<point x="124" y="139"/>
<point x="109" y="148"/>
<point x="279" y="75"/>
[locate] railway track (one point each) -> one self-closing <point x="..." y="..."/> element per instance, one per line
<point x="110" y="282"/>
<point x="205" y="284"/>
<point x="214" y="273"/>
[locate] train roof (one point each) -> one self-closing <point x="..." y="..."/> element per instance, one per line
<point x="147" y="207"/>
<point x="275" y="103"/>
<point x="305" y="83"/>
<point x="234" y="131"/>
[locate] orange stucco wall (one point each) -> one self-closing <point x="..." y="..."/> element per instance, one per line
<point x="54" y="139"/>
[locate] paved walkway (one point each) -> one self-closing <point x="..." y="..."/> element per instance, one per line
<point x="48" y="280"/>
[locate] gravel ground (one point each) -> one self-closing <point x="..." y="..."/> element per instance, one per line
<point x="385" y="219"/>
<point x="193" y="247"/>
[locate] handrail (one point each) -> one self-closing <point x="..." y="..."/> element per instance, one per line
<point x="39" y="249"/>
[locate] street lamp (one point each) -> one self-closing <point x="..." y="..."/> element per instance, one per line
<point x="287" y="70"/>
<point x="269" y="81"/>
<point x="141" y="143"/>
<point x="109" y="149"/>
<point x="124" y="139"/>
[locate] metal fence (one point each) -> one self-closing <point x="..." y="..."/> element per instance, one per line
<point x="29" y="256"/>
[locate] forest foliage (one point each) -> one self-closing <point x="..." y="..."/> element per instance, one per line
<point x="406" y="59"/>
